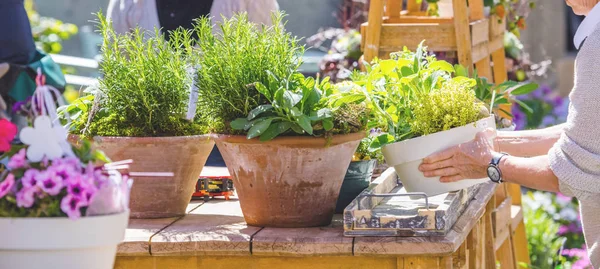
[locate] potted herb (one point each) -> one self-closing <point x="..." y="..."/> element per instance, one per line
<point x="57" y="208"/>
<point x="359" y="173"/>
<point x="427" y="110"/>
<point x="143" y="109"/>
<point x="287" y="140"/>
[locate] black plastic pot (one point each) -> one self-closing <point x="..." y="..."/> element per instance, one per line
<point x="358" y="178"/>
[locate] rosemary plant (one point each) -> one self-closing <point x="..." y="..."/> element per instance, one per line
<point x="234" y="59"/>
<point x="145" y="86"/>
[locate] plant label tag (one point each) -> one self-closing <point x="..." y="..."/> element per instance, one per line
<point x="192" y="103"/>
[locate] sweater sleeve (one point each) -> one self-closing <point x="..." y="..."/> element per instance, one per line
<point x="575" y="158"/>
<point x="259" y="11"/>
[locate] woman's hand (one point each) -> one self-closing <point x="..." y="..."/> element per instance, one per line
<point x="465" y="161"/>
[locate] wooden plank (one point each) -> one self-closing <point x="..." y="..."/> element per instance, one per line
<point x="479" y="32"/>
<point x="514" y="191"/>
<point x="490" y="253"/>
<point x="393" y="8"/>
<point x="497" y="26"/>
<point x="516" y="215"/>
<point x="501" y="218"/>
<point x="138" y="234"/>
<point x="373" y="33"/>
<point x="476" y="10"/>
<point x="423" y="262"/>
<point x="496" y="44"/>
<point x="438" y="37"/>
<point x="215" y="228"/>
<point x="462" y="34"/>
<point x="506" y="255"/>
<point x="484" y="69"/>
<point x="460" y="258"/>
<point x="500" y="75"/>
<point x="412" y="5"/>
<point x="520" y="243"/>
<point x="420" y="19"/>
<point x="320" y="241"/>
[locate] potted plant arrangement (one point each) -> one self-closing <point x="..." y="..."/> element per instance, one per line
<point x="360" y="172"/>
<point x="144" y="109"/>
<point x="287" y="140"/>
<point x="427" y="110"/>
<point x="60" y="206"/>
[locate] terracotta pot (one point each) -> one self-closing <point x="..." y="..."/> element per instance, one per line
<point x="160" y="197"/>
<point x="288" y="181"/>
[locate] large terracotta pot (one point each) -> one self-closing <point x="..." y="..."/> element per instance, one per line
<point x="160" y="197"/>
<point x="288" y="181"/>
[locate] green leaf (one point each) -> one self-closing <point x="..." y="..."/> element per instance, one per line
<point x="387" y="66"/>
<point x="305" y="123"/>
<point x="406" y="71"/>
<point x="461" y="71"/>
<point x="296" y="112"/>
<point x="290" y="99"/>
<point x="321" y="114"/>
<point x="313" y="98"/>
<point x="259" y="128"/>
<point x="258" y="110"/>
<point x="381" y="140"/>
<point x="239" y="124"/>
<point x="263" y="90"/>
<point x="297" y="129"/>
<point x="309" y="83"/>
<point x="327" y="124"/>
<point x="350" y="99"/>
<point x="442" y="65"/>
<point x="271" y="132"/>
<point x="278" y="98"/>
<point x="524" y="106"/>
<point x="525" y="89"/>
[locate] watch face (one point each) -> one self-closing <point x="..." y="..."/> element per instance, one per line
<point x="493" y="173"/>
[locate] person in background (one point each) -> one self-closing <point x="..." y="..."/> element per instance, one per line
<point x="563" y="158"/>
<point x="171" y="14"/>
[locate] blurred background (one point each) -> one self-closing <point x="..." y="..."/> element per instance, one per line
<point x="538" y="44"/>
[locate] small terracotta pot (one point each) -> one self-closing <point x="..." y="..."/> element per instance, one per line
<point x="160" y="197"/>
<point x="288" y="181"/>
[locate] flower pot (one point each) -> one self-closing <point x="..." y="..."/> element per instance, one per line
<point x="160" y="197"/>
<point x="89" y="242"/>
<point x="406" y="156"/>
<point x="358" y="177"/>
<point x="288" y="181"/>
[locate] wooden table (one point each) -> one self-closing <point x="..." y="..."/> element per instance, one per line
<point x="214" y="235"/>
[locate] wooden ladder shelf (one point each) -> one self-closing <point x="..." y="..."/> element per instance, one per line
<point x="478" y="42"/>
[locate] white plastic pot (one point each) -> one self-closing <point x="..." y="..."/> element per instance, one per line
<point x="90" y="242"/>
<point x="406" y="156"/>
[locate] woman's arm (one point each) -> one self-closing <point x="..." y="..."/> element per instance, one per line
<point x="528" y="143"/>
<point x="533" y="172"/>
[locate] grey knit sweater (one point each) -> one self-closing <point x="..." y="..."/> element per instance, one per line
<point x="575" y="158"/>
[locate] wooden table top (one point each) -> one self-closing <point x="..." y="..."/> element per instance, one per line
<point x="218" y="228"/>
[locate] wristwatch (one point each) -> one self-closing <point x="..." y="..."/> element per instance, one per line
<point x="493" y="170"/>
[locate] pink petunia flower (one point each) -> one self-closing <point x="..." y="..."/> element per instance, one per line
<point x="49" y="182"/>
<point x="8" y="131"/>
<point x="72" y="162"/>
<point x="18" y="160"/>
<point x="6" y="185"/>
<point x="30" y="178"/>
<point x="26" y="197"/>
<point x="71" y="206"/>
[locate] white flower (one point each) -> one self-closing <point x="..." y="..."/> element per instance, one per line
<point x="43" y="139"/>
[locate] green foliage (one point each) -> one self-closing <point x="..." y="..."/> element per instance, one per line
<point x="415" y="94"/>
<point x="48" y="33"/>
<point x="542" y="235"/>
<point x="494" y="96"/>
<point x="364" y="152"/>
<point x="235" y="61"/>
<point x="452" y="106"/>
<point x="144" y="89"/>
<point x="302" y="106"/>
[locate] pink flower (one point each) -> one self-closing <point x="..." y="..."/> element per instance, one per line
<point x="68" y="161"/>
<point x="8" y="131"/>
<point x="26" y="197"/>
<point x="71" y="206"/>
<point x="18" y="160"/>
<point x="30" y="178"/>
<point x="6" y="185"/>
<point x="562" y="197"/>
<point x="49" y="182"/>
